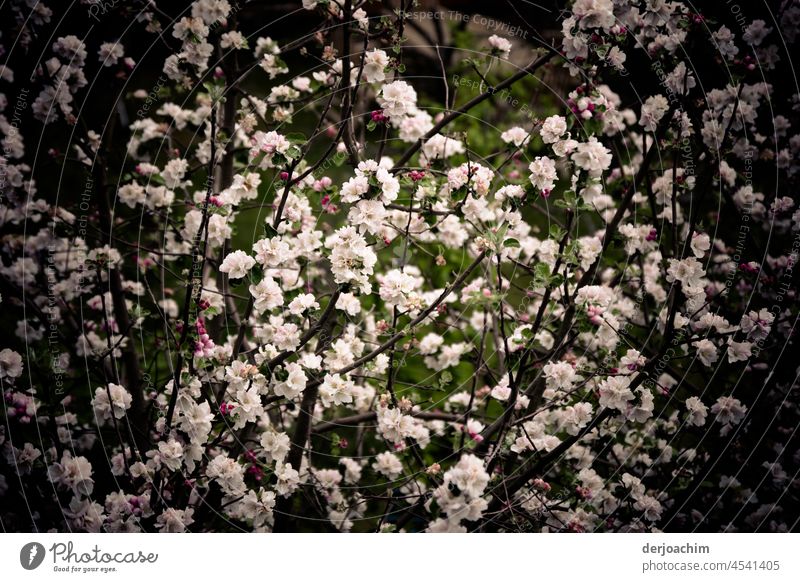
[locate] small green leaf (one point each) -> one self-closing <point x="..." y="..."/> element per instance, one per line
<point x="445" y="378"/>
<point x="556" y="232"/>
<point x="269" y="230"/>
<point x="542" y="270"/>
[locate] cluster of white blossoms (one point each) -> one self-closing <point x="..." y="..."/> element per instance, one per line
<point x="111" y="401"/>
<point x="398" y="100"/>
<point x="270" y="147"/>
<point x="352" y="260"/>
<point x="358" y="325"/>
<point x="460" y="497"/>
<point x="370" y="174"/>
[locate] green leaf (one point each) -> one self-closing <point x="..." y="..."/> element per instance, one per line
<point x="445" y="378"/>
<point x="556" y="232"/>
<point x="138" y="311"/>
<point x="511" y="243"/>
<point x="258" y="159"/>
<point x="215" y="92"/>
<point x="256" y="274"/>
<point x="269" y="230"/>
<point x="542" y="270"/>
<point x="296" y="137"/>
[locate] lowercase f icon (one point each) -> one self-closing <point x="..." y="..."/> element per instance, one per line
<point x="31" y="555"/>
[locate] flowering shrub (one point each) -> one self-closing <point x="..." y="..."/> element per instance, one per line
<point x="294" y="285"/>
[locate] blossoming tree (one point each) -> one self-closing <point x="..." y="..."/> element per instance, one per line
<point x="297" y="285"/>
